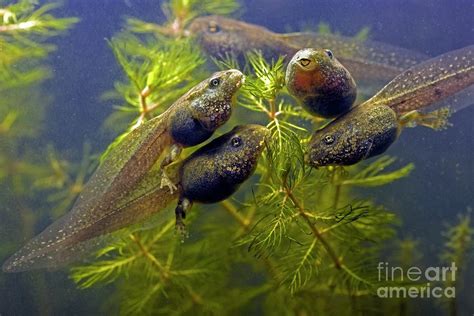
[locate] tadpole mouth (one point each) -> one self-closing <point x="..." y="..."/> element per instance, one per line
<point x="258" y="135"/>
<point x="314" y="161"/>
<point x="307" y="60"/>
<point x="304" y="61"/>
<point x="263" y="134"/>
<point x="237" y="76"/>
<point x="241" y="82"/>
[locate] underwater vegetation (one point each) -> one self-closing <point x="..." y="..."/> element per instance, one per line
<point x="292" y="240"/>
<point x="30" y="166"/>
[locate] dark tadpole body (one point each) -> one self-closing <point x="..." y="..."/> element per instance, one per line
<point x="362" y="133"/>
<point x="370" y="128"/>
<point x="371" y="63"/>
<point x="216" y="171"/>
<point x="210" y="174"/>
<point x="320" y="82"/>
<point x="191" y="120"/>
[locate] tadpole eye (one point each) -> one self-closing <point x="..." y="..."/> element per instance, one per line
<point x="304" y="62"/>
<point x="214" y="82"/>
<point x="236" y="141"/>
<point x="213" y="27"/>
<point x="329" y="53"/>
<point x="328" y="139"/>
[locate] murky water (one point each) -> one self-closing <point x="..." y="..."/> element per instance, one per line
<point x="44" y="126"/>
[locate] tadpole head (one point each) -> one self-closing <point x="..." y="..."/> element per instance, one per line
<point x="227" y="82"/>
<point x="216" y="170"/>
<point x="314" y="71"/>
<point x="213" y="106"/>
<point x="248" y="141"/>
<point x="244" y="146"/>
<point x="311" y="60"/>
<point x="360" y="134"/>
<point x="220" y="36"/>
<point x="238" y="151"/>
<point x="330" y="146"/>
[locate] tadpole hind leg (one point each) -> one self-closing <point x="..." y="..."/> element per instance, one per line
<point x="183" y="206"/>
<point x="436" y="120"/>
<point x="169" y="159"/>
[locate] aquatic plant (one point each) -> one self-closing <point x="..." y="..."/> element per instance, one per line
<point x="24" y="28"/>
<point x="361" y="35"/>
<point x="24" y="31"/>
<point x="291" y="233"/>
<point x="154" y="78"/>
<point x="458" y="250"/>
<point x="180" y="12"/>
<point x="294" y="240"/>
<point x="34" y="177"/>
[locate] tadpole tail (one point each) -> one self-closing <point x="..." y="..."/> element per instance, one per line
<point x="118" y="194"/>
<point x="447" y="78"/>
<point x="61" y="243"/>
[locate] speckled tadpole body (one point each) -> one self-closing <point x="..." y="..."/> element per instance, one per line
<point x="210" y="174"/>
<point x="371" y="63"/>
<point x="370" y="128"/>
<point x="320" y="82"/>
<point x="215" y="171"/>
<point x="191" y="120"/>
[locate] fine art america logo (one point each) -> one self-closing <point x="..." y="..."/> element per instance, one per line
<point x="431" y="282"/>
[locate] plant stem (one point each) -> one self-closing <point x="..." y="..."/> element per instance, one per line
<point x="272" y="113"/>
<point x="232" y="210"/>
<point x="144" y="109"/>
<point x="336" y="196"/>
<point x="314" y="229"/>
<point x="150" y="257"/>
<point x="18" y="27"/>
<point x="453" y="310"/>
<point x="143" y="95"/>
<point x="337" y="193"/>
<point x="245" y="223"/>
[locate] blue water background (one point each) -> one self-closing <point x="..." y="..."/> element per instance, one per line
<point x="440" y="187"/>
